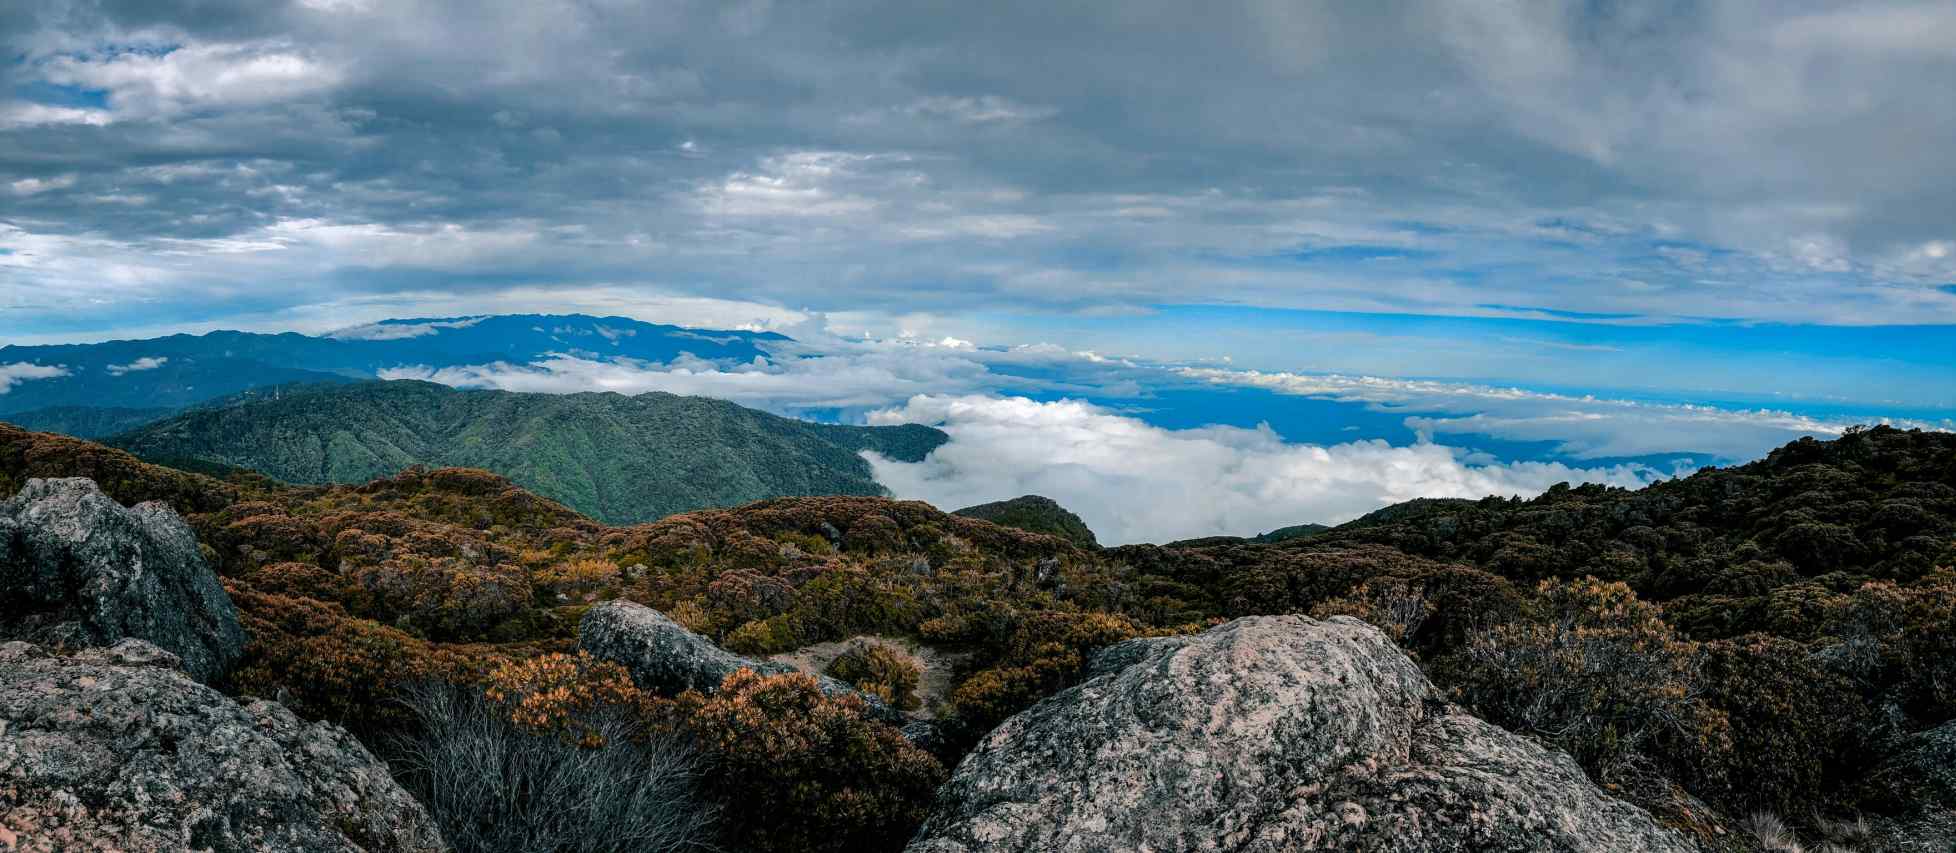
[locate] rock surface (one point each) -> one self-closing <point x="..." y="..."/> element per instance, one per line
<point x="666" y="658"/>
<point x="1269" y="734"/>
<point x="116" y="749"/>
<point x="78" y="569"/>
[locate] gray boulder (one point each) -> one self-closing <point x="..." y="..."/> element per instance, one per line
<point x="1267" y="734"/>
<point x="116" y="749"/>
<point x="666" y="658"/>
<point x="78" y="569"/>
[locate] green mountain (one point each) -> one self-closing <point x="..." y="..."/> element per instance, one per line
<point x="617" y="458"/>
<point x="86" y="421"/>
<point x="1285" y="534"/>
<point x="1034" y="514"/>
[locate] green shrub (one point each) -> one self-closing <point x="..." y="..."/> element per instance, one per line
<point x="879" y="669"/>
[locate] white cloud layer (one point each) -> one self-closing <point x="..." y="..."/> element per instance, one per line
<point x="148" y="362"/>
<point x="1132" y="482"/>
<point x="20" y="371"/>
<point x="1583" y="427"/>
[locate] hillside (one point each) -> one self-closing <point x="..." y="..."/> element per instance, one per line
<point x="1035" y="514"/>
<point x="182" y="370"/>
<point x="1774" y="638"/>
<point x="86" y="421"/>
<point x="617" y="458"/>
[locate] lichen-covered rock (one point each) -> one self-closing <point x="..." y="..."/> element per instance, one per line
<point x="1270" y="734"/>
<point x="665" y="658"/>
<point x="115" y="749"/>
<point x="78" y="569"/>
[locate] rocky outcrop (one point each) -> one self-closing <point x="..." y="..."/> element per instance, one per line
<point x="666" y="658"/>
<point x="116" y="749"/>
<point x="1270" y="734"/>
<point x="78" y="569"/>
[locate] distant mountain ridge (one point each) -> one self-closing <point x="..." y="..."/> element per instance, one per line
<point x="87" y="421"/>
<point x="617" y="458"/>
<point x="182" y="370"/>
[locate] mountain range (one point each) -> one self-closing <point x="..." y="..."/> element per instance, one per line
<point x="173" y="372"/>
<point x="618" y="458"/>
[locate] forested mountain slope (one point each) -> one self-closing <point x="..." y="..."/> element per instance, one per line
<point x="616" y="458"/>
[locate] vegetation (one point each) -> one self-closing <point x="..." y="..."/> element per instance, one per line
<point x="497" y="785"/>
<point x="880" y="670"/>
<point x="1753" y="639"/>
<point x="86" y="421"/>
<point x="814" y="772"/>
<point x="1035" y="514"/>
<point x="617" y="458"/>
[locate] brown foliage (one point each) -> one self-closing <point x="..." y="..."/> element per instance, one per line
<point x="810" y="772"/>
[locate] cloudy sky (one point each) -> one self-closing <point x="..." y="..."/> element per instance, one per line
<point x="1740" y="204"/>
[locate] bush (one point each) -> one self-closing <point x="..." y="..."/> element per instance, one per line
<point x="878" y="669"/>
<point x="810" y="772"/>
<point x="498" y="785"/>
<point x="1598" y="673"/>
<point x="1793" y="725"/>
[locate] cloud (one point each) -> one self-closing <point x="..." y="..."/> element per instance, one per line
<point x="1132" y="482"/>
<point x="856" y="376"/>
<point x="18" y="372"/>
<point x="1581" y="427"/>
<point x="853" y="156"/>
<point x="151" y="82"/>
<point x="148" y="362"/>
<point x="400" y="331"/>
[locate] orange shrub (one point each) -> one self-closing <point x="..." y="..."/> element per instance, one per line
<point x="559" y="693"/>
<point x="810" y="772"/>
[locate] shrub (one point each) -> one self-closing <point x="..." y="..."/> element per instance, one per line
<point x="1793" y="725"/>
<point x="496" y="784"/>
<point x="323" y="663"/>
<point x="879" y="669"/>
<point x="810" y="772"/>
<point x="1042" y="653"/>
<point x="1393" y="605"/>
<point x="555" y="693"/>
<point x="580" y="579"/>
<point x="1598" y="673"/>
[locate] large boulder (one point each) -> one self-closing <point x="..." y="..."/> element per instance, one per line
<point x="78" y="569"/>
<point x="1277" y="733"/>
<point x="116" y="749"/>
<point x="666" y="658"/>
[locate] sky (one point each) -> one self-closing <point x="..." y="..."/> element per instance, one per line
<point x="1747" y="206"/>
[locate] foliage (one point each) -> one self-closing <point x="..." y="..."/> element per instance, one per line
<point x="881" y="670"/>
<point x="1751" y="638"/>
<point x="622" y="459"/>
<point x="1599" y="673"/>
<point x="495" y="783"/>
<point x="812" y="772"/>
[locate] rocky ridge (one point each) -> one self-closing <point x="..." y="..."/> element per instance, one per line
<point x="117" y="749"/>
<point x="78" y="569"/>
